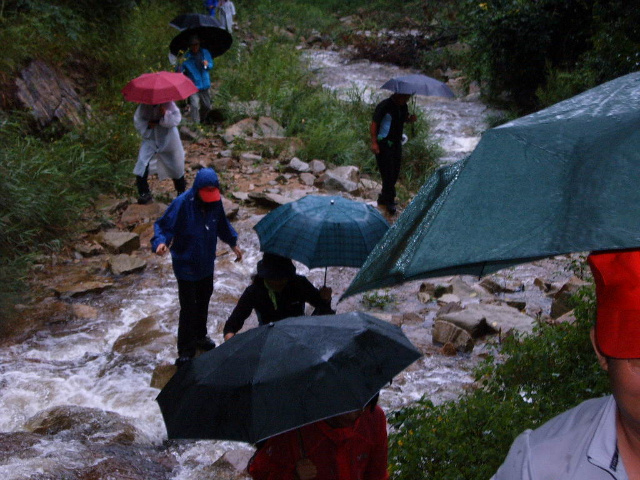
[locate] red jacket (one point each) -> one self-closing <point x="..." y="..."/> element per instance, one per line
<point x="353" y="453"/>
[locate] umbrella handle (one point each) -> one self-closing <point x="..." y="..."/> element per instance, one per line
<point x="325" y="276"/>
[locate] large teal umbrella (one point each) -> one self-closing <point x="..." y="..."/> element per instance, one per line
<point x="322" y="231"/>
<point x="564" y="179"/>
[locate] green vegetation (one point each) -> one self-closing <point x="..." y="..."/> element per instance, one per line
<point x="528" y="381"/>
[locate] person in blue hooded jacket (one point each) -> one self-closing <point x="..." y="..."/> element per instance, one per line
<point x="190" y="229"/>
<point x="196" y="65"/>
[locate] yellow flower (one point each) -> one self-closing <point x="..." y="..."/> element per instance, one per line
<point x="484" y="6"/>
<point x="400" y="443"/>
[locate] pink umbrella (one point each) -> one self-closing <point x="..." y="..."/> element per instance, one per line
<point x="159" y="87"/>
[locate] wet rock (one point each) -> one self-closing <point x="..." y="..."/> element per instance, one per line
<point x="269" y="200"/>
<point x="307" y="179"/>
<point x="83" y="423"/>
<point x="128" y="463"/>
<point x="409" y="318"/>
<point x="135" y="214"/>
<point x="483" y="319"/>
<point x="232" y="464"/>
<point x="231" y="209"/>
<point x="86" y="312"/>
<point x="495" y="287"/>
<point x="297" y="166"/>
<point x="123" y="264"/>
<point x="89" y="249"/>
<point x="248" y="157"/>
<point x="223" y="164"/>
<point x="50" y="96"/>
<point x="162" y="374"/>
<point x="72" y="288"/>
<point x="449" y="350"/>
<point x="241" y="196"/>
<point x="109" y="204"/>
<point x="119" y="242"/>
<point x="445" y="332"/>
<point x="145" y="232"/>
<point x="146" y="337"/>
<point x="249" y="127"/>
<point x="331" y="182"/>
<point x="448" y="298"/>
<point x="561" y="304"/>
<point x="18" y="444"/>
<point x="317" y="166"/>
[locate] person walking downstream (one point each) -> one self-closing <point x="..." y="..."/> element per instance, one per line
<point x="161" y="151"/>
<point x="190" y="229"/>
<point x="196" y="65"/>
<point x="386" y="130"/>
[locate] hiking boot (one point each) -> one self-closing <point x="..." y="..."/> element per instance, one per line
<point x="145" y="198"/>
<point x="206" y="344"/>
<point x="183" y="360"/>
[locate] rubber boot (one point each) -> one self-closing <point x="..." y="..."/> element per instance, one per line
<point x="180" y="184"/>
<point x="144" y="193"/>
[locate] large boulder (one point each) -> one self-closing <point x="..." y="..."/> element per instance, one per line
<point x="50" y="96"/>
<point x="481" y="319"/>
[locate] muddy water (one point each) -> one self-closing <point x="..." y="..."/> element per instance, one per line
<point x="74" y="363"/>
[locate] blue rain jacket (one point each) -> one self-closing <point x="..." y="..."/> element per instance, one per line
<point x="192" y="67"/>
<point x="191" y="229"/>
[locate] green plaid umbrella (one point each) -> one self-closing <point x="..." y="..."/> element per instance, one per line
<point x="322" y="231"/>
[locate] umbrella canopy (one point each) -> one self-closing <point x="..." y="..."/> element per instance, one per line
<point x="215" y="39"/>
<point x="418" y="85"/>
<point x="159" y="87"/>
<point x="322" y="231"/>
<point x="194" y="20"/>
<point x="564" y="179"/>
<point x="280" y="376"/>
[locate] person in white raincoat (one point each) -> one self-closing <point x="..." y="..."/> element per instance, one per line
<point x="161" y="151"/>
<point x="226" y="12"/>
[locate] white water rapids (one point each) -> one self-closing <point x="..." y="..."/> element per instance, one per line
<point x="74" y="363"/>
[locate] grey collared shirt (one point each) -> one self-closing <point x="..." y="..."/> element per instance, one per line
<point x="579" y="444"/>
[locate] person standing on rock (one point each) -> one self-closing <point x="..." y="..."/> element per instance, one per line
<point x="161" y="151"/>
<point x="190" y="229"/>
<point x="196" y="64"/>
<point x="386" y="130"/>
<point x="600" y="438"/>
<point x="277" y="293"/>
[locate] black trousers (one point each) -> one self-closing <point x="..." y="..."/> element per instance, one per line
<point x="389" y="160"/>
<point x="194" y="308"/>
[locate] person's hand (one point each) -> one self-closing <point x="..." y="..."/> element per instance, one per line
<point x="238" y="253"/>
<point x="325" y="293"/>
<point x="375" y="148"/>
<point x="412" y="118"/>
<point x="305" y="469"/>
<point x="162" y="249"/>
<point x="205" y="63"/>
<point x="227" y="336"/>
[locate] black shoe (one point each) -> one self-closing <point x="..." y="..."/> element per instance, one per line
<point x="145" y="198"/>
<point x="182" y="360"/>
<point x="206" y="344"/>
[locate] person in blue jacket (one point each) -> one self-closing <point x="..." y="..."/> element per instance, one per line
<point x="190" y="229"/>
<point x="196" y="65"/>
<point x="211" y="6"/>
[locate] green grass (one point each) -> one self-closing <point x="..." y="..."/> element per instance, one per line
<point x="528" y="381"/>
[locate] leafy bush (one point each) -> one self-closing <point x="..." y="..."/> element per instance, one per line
<point x="529" y="380"/>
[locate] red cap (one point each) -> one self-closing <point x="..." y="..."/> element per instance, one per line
<point x="209" y="194"/>
<point x="617" y="278"/>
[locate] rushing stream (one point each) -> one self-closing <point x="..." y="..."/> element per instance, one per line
<point x="81" y="362"/>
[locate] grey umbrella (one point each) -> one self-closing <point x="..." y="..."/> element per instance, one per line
<point x="418" y="84"/>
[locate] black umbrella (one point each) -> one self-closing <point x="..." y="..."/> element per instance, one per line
<point x="194" y="20"/>
<point x="281" y="376"/>
<point x="215" y="39"/>
<point x="417" y="84"/>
